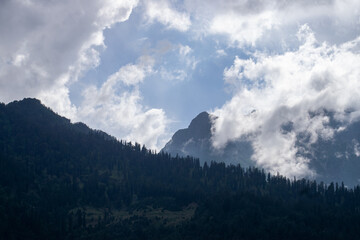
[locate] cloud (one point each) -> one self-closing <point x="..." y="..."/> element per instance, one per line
<point x="133" y="74"/>
<point x="185" y="50"/>
<point x="45" y="46"/>
<point x="162" y="12"/>
<point x="187" y="57"/>
<point x="356" y="148"/>
<point x="183" y="63"/>
<point x="173" y="74"/>
<point x="264" y="24"/>
<point x="116" y="107"/>
<point x="221" y="53"/>
<point x="278" y="97"/>
<point x="243" y="29"/>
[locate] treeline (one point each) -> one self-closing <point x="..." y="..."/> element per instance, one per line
<point x="55" y="175"/>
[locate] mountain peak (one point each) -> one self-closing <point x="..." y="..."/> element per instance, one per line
<point x="198" y="131"/>
<point x="200" y="126"/>
<point x="26" y="102"/>
<point x="32" y="110"/>
<point x="196" y="141"/>
<point x="200" y="119"/>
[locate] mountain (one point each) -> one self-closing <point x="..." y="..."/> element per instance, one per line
<point x="335" y="159"/>
<point x="338" y="158"/>
<point x="196" y="141"/>
<point x="60" y="180"/>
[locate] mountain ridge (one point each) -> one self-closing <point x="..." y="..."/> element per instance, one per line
<point x="58" y="181"/>
<point x="337" y="159"/>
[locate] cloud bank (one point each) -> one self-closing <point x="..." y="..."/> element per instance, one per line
<point x="280" y="96"/>
<point x="270" y="25"/>
<point x="47" y="45"/>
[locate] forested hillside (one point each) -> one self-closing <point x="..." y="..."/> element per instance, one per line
<point x="60" y="180"/>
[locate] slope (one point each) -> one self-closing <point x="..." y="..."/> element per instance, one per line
<point x="60" y="180"/>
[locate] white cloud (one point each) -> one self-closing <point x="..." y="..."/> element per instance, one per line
<point x="184" y="64"/>
<point x="47" y="45"/>
<point x="173" y="75"/>
<point x="162" y="12"/>
<point x="187" y="57"/>
<point x="57" y="97"/>
<point x="267" y="24"/>
<point x="112" y="12"/>
<point x="287" y="89"/>
<point x="185" y="50"/>
<point x="133" y="74"/>
<point x="221" y="53"/>
<point x="243" y="29"/>
<point x="150" y="129"/>
<point x="116" y="107"/>
<point x="356" y="148"/>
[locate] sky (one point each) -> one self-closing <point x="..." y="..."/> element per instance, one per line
<point x="142" y="69"/>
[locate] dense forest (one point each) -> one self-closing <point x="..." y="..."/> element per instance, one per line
<point x="60" y="180"/>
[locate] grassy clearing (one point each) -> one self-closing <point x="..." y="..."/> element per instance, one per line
<point x="157" y="216"/>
